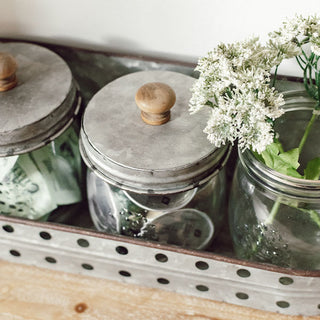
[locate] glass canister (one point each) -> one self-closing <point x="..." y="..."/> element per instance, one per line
<point x="275" y="218"/>
<point x="152" y="173"/>
<point x="40" y="162"/>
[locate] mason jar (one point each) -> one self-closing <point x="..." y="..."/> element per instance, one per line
<point x="152" y="174"/>
<point x="40" y="162"/>
<point x="275" y="218"/>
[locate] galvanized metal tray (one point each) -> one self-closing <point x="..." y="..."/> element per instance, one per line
<point x="68" y="242"/>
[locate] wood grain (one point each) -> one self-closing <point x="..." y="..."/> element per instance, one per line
<point x="31" y="293"/>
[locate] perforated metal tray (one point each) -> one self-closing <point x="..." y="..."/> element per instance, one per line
<point x="202" y="274"/>
<point x="69" y="243"/>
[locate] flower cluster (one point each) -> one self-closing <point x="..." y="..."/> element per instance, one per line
<point x="295" y="32"/>
<point x="234" y="80"/>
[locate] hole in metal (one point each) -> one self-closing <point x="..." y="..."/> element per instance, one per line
<point x="122" y="250"/>
<point x="83" y="243"/>
<point x="286" y="281"/>
<point x="125" y="273"/>
<point x="45" y="235"/>
<point x="283" y="304"/>
<point x="50" y="259"/>
<point x="161" y="257"/>
<point x="201" y="287"/>
<point x="15" y="253"/>
<point x="8" y="228"/>
<point x="202" y="265"/>
<point x="243" y="273"/>
<point x="165" y="200"/>
<point x="242" y="295"/>
<point x="87" y="266"/>
<point x="163" y="281"/>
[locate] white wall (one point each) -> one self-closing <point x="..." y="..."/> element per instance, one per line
<point x="174" y="29"/>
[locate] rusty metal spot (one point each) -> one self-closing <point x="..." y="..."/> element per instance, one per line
<point x="81" y="307"/>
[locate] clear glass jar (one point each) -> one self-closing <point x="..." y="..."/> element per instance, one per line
<point x="152" y="172"/>
<point x="34" y="184"/>
<point x="275" y="218"/>
<point x="40" y="162"/>
<point x="188" y="219"/>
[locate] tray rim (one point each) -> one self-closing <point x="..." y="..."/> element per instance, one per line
<point x="141" y="242"/>
<point x="152" y="244"/>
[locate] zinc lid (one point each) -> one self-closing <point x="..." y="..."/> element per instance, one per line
<point x="124" y="150"/>
<point x="41" y="104"/>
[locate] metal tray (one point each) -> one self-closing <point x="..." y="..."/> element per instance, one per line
<point x="70" y="243"/>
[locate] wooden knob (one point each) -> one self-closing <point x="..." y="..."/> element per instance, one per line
<point x="8" y="67"/>
<point x="155" y="99"/>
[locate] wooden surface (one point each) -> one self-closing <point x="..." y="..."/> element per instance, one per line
<point x="30" y="293"/>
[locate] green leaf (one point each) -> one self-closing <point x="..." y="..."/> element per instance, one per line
<point x="284" y="162"/>
<point x="291" y="157"/>
<point x="294" y="173"/>
<point x="210" y="104"/>
<point x="268" y="154"/>
<point x="312" y="171"/>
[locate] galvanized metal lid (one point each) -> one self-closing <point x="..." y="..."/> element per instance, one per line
<point x="125" y="151"/>
<point x="42" y="104"/>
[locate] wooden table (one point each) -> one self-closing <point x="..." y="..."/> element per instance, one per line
<point x="32" y="293"/>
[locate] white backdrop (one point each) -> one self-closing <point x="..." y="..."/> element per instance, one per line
<point x="173" y="29"/>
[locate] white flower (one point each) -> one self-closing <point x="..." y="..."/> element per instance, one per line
<point x="315" y="43"/>
<point x="296" y="29"/>
<point x="234" y="80"/>
<point x="280" y="50"/>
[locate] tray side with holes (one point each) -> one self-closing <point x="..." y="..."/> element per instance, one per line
<point x="200" y="274"/>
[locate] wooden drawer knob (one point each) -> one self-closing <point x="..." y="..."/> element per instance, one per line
<point x="155" y="99"/>
<point x="8" y="67"/>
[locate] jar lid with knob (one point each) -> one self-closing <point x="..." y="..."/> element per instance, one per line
<point x="39" y="98"/>
<point x="137" y="134"/>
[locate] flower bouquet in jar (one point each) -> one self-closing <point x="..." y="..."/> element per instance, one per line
<point x="274" y="206"/>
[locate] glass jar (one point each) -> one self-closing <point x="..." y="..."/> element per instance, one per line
<point x="187" y="219"/>
<point x="40" y="162"/>
<point x="275" y="218"/>
<point x="163" y="182"/>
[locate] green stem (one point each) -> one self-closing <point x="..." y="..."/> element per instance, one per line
<point x="305" y="82"/>
<point x="306" y="132"/>
<point x="299" y="63"/>
<point x="305" y="55"/>
<point x="310" y="75"/>
<point x="269" y="220"/>
<point x="275" y="76"/>
<point x="318" y="85"/>
<point x="317" y="79"/>
<point x="273" y="212"/>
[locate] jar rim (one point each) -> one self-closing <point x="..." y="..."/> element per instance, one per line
<point x="293" y="98"/>
<point x="273" y="179"/>
<point x="261" y="167"/>
<point x="277" y="182"/>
